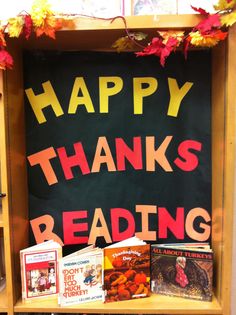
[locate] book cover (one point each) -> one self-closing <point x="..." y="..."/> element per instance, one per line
<point x="81" y="277"/>
<point x="127" y="270"/>
<point x="182" y="271"/>
<point x="39" y="270"/>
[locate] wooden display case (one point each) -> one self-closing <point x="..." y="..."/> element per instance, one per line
<point x="91" y="34"/>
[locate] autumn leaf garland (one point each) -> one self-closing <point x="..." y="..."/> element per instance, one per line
<point x="207" y="33"/>
<point x="42" y="20"/>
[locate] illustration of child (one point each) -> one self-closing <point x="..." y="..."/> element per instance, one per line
<point x="42" y="282"/>
<point x="52" y="277"/>
<point x="89" y="274"/>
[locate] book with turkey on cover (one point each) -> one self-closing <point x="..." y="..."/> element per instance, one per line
<point x="182" y="270"/>
<point x="127" y="270"/>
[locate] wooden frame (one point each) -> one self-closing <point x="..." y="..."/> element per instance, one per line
<point x="99" y="35"/>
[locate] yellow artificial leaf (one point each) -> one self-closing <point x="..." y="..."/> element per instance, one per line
<point x="138" y="36"/>
<point x="15" y="26"/>
<point x="228" y="19"/>
<point x="224" y="5"/>
<point x="41" y="10"/>
<point x="123" y="43"/>
<point x="174" y="34"/>
<point x="197" y="39"/>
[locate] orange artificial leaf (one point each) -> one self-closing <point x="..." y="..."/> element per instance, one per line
<point x="49" y="27"/>
<point x="67" y="23"/>
<point x="2" y="39"/>
<point x="179" y="35"/>
<point x="228" y="19"/>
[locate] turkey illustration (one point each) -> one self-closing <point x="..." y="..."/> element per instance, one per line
<point x="180" y="276"/>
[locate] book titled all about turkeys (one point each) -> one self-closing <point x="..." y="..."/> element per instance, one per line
<point x="183" y="270"/>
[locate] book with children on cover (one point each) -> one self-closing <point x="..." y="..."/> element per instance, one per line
<point x="183" y="270"/>
<point x="81" y="277"/>
<point x="39" y="270"/>
<point x="127" y="270"/>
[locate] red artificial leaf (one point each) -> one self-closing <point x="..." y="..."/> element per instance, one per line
<point x="212" y="21"/>
<point x="6" y="60"/>
<point x="153" y="48"/>
<point x="200" y="10"/>
<point x="158" y="48"/>
<point x="28" y="25"/>
<point x="186" y="46"/>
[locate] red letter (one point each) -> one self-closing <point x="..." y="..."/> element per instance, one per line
<point x="79" y="159"/>
<point x="133" y="156"/>
<point x="116" y="215"/>
<point x="190" y="160"/>
<point x="42" y="158"/>
<point x="47" y="234"/>
<point x="166" y="221"/>
<point x="70" y="227"/>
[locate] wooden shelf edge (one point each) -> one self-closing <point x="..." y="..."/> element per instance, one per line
<point x="1" y="219"/>
<point x="156" y="304"/>
<point x="136" y="22"/>
<point x="3" y="301"/>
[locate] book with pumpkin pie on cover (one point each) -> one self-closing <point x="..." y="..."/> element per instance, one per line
<point x="127" y="270"/>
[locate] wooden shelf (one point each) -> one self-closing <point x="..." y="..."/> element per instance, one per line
<point x="3" y="301"/>
<point x="136" y="22"/>
<point x="1" y="219"/>
<point x="156" y="304"/>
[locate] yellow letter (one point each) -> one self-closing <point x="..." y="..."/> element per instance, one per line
<point x="176" y="96"/>
<point x="140" y="93"/>
<point x="76" y="100"/>
<point x="40" y="101"/>
<point x="105" y="91"/>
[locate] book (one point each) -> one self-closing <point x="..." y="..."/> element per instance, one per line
<point x="184" y="270"/>
<point x="81" y="277"/>
<point x="126" y="270"/>
<point x="39" y="270"/>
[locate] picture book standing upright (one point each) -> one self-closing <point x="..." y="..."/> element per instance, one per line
<point x="81" y="277"/>
<point x="184" y="271"/>
<point x="39" y="270"/>
<point x="127" y="270"/>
